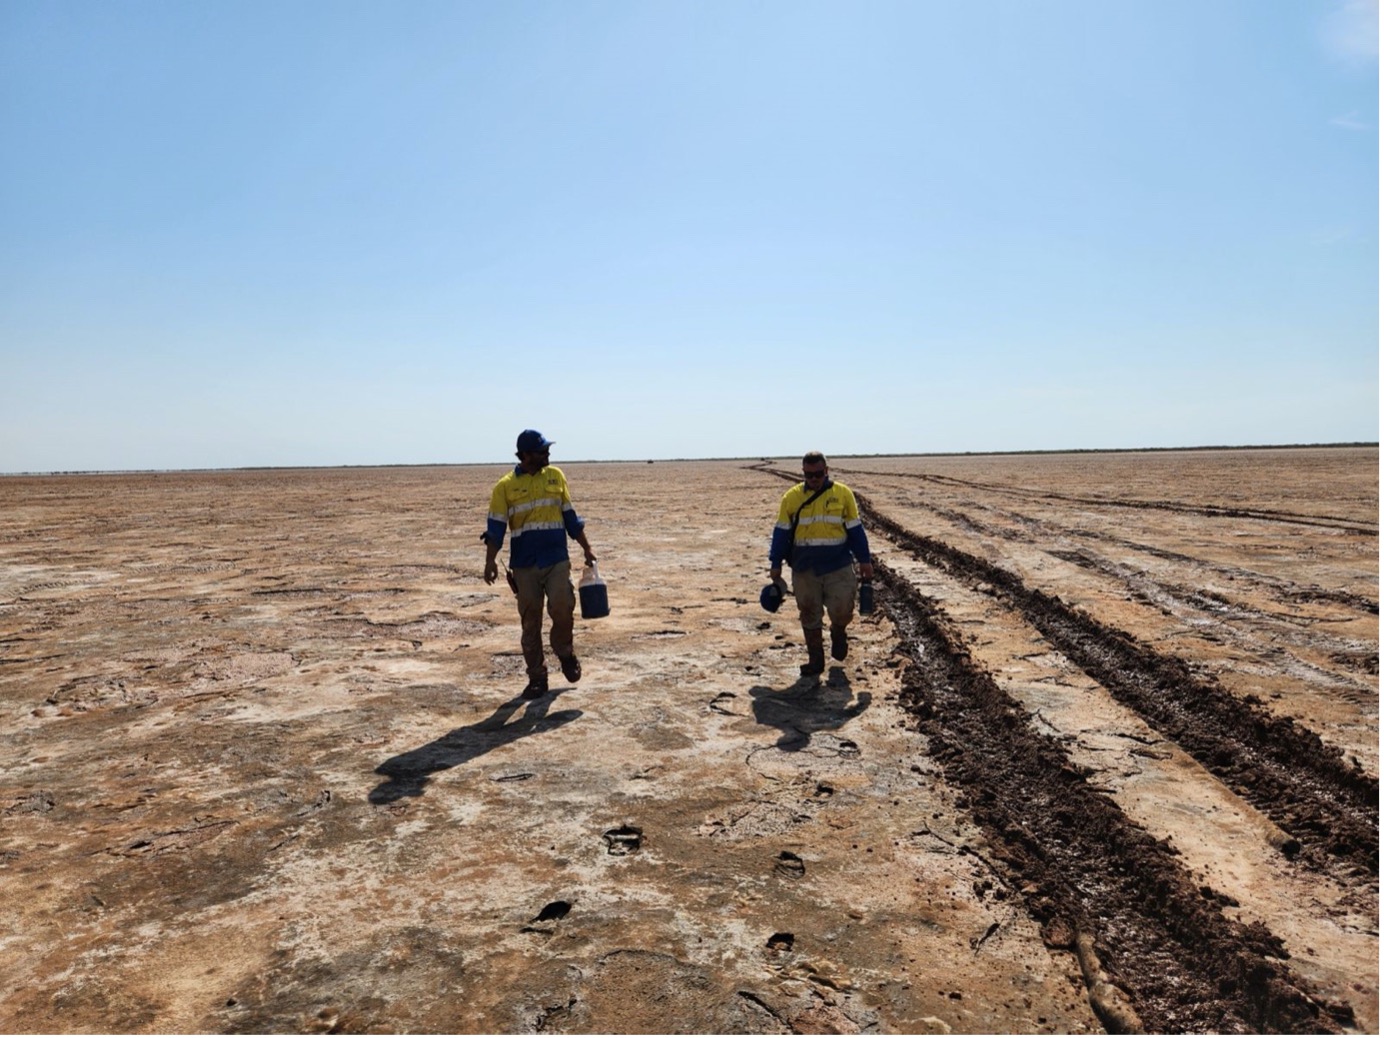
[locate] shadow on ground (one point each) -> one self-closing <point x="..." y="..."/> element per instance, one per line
<point x="808" y="705"/>
<point x="408" y="773"/>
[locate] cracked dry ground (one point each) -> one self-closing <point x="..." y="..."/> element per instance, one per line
<point x="1106" y="757"/>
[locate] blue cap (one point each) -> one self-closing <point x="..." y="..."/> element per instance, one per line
<point x="532" y="440"/>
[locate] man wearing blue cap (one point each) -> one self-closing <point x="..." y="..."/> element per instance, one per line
<point x="532" y="503"/>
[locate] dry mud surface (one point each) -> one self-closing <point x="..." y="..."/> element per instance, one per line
<point x="1105" y="758"/>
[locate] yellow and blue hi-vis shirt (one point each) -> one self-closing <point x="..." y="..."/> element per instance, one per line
<point x="537" y="510"/>
<point x="828" y="533"/>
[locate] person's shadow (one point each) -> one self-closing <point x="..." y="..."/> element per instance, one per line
<point x="408" y="773"/>
<point x="808" y="705"/>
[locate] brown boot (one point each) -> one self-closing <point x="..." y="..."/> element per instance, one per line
<point x="816" y="657"/>
<point x="838" y="643"/>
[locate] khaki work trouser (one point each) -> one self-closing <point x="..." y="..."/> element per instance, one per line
<point x="532" y="585"/>
<point x="834" y="591"/>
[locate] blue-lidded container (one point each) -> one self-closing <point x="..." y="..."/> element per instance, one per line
<point x="591" y="589"/>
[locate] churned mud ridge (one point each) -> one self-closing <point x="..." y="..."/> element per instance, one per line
<point x="1285" y="591"/>
<point x="1224" y="611"/>
<point x="1213" y="511"/>
<point x="1158" y="953"/>
<point x="1283" y="769"/>
<point x="1022" y="531"/>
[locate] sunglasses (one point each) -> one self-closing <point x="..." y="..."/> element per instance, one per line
<point x="815" y="473"/>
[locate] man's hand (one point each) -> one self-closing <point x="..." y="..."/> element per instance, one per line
<point x="586" y="548"/>
<point x="775" y="573"/>
<point x="867" y="571"/>
<point x="492" y="571"/>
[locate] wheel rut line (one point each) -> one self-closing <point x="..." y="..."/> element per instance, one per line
<point x="1209" y="511"/>
<point x="1285" y="770"/>
<point x="1284" y="591"/>
<point x="1226" y="613"/>
<point x="1280" y="590"/>
<point x="1087" y="872"/>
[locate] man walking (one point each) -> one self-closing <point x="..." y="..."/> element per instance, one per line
<point x="532" y="503"/>
<point x="817" y="534"/>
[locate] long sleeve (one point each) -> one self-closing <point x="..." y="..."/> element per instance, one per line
<point x="856" y="540"/>
<point x="497" y="522"/>
<point x="571" y="522"/>
<point x="778" y="545"/>
<point x="779" y="541"/>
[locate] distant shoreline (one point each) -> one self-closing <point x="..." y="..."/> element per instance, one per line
<point x="670" y="461"/>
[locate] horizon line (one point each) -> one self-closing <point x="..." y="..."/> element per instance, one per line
<point x="743" y="457"/>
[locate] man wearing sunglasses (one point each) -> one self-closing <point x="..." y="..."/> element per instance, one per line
<point x="533" y="505"/>
<point x="819" y="533"/>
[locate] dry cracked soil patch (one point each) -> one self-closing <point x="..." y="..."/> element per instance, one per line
<point x="1105" y="758"/>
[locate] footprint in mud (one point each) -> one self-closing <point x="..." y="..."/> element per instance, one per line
<point x="323" y="799"/>
<point x="625" y="840"/>
<point x="549" y="913"/>
<point x="789" y="864"/>
<point x="721" y="704"/>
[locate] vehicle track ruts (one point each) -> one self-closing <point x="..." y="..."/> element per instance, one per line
<point x="1092" y="878"/>
<point x="1213" y="511"/>
<point x="1203" y="601"/>
<point x="1283" y="769"/>
<point x="1024" y="527"/>
<point x="1284" y="591"/>
<point x="1237" y="621"/>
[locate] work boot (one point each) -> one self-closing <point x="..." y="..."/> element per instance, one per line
<point x="838" y="643"/>
<point x="816" y="658"/>
<point x="537" y="687"/>
<point x="571" y="668"/>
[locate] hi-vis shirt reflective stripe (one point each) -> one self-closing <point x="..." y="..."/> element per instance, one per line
<point x="537" y="510"/>
<point x="829" y="530"/>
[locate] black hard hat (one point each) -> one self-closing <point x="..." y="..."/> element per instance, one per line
<point x="771" y="597"/>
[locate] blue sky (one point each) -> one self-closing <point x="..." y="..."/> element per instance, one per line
<point x="319" y="233"/>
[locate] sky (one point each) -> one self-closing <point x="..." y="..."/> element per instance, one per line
<point x="345" y="232"/>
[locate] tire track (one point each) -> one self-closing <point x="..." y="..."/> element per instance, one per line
<point x="1283" y="590"/>
<point x="1228" y="615"/>
<point x="1283" y="769"/>
<point x="1210" y="511"/>
<point x="1157" y="951"/>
